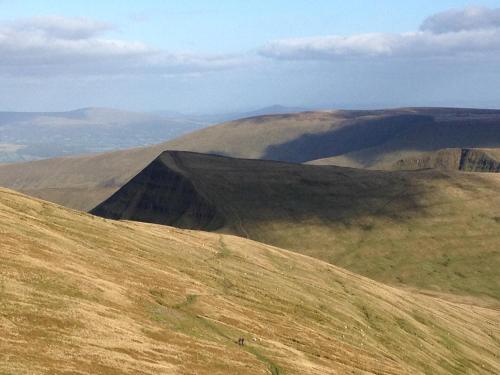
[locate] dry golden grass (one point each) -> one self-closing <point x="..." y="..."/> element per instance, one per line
<point x="84" y="295"/>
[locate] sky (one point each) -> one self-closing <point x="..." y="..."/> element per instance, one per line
<point x="224" y="56"/>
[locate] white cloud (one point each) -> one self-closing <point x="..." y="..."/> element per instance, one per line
<point x="470" y="18"/>
<point x="78" y="46"/>
<point x="412" y="44"/>
<point x="446" y="34"/>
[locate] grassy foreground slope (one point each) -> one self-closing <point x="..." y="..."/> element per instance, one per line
<point x="364" y="139"/>
<point x="80" y="294"/>
<point x="430" y="229"/>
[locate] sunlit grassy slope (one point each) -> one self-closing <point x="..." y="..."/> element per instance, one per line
<point x="430" y="229"/>
<point x="84" y="295"/>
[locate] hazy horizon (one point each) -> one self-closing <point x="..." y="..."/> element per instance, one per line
<point x="244" y="110"/>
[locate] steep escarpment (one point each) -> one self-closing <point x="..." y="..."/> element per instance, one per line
<point x="162" y="194"/>
<point x="464" y="159"/>
<point x="482" y="160"/>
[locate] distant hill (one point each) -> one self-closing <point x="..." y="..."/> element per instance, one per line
<point x="432" y="229"/>
<point x="80" y="294"/>
<point x="363" y="139"/>
<point x="266" y="111"/>
<point x="38" y="135"/>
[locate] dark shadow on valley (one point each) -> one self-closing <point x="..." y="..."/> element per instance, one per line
<point x="395" y="133"/>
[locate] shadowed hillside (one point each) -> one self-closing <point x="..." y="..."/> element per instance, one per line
<point x="312" y="135"/>
<point x="81" y="294"/>
<point x="364" y="139"/>
<point x="430" y="229"/>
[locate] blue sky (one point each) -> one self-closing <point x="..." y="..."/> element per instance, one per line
<point x="235" y="25"/>
<point x="200" y="56"/>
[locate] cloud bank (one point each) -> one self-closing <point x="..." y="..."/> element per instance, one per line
<point x="78" y="46"/>
<point x="474" y="30"/>
<point x="54" y="46"/>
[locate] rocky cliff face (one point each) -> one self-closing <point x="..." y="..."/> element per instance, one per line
<point x="463" y="159"/>
<point x="472" y="160"/>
